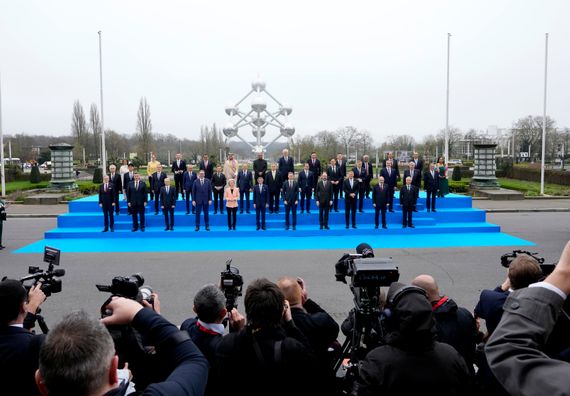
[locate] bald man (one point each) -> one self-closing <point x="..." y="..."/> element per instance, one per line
<point x="455" y="325"/>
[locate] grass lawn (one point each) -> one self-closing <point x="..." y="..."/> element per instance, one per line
<point x="14" y="186"/>
<point x="533" y="188"/>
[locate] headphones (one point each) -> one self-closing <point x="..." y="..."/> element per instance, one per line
<point x="401" y="292"/>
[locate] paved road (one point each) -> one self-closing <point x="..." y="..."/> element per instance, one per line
<point x="461" y="272"/>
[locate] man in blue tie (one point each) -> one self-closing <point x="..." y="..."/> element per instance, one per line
<point x="202" y="199"/>
<point x="260" y="202"/>
<point x="168" y="197"/>
<point x="408" y="198"/>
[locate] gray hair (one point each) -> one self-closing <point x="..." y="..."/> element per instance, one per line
<point x="209" y="303"/>
<point x="76" y="356"/>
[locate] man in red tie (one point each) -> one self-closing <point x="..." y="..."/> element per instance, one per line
<point x="107" y="203"/>
<point x="380" y="201"/>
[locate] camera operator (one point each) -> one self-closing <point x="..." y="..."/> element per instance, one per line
<point x="454" y="325"/>
<point x="207" y="329"/>
<point x="19" y="348"/>
<point x="515" y="349"/>
<point x="412" y="362"/>
<point x="78" y="357"/>
<point x="270" y="355"/>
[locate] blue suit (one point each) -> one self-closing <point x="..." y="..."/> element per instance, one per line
<point x="490" y="307"/>
<point x="391" y="180"/>
<point x="244" y="183"/>
<point x="260" y="200"/>
<point x="291" y="196"/>
<point x="188" y="180"/>
<point x="168" y="203"/>
<point x="306" y="185"/>
<point x="202" y="195"/>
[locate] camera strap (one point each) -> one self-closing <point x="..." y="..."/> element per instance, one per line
<point x="438" y="304"/>
<point x="276" y="352"/>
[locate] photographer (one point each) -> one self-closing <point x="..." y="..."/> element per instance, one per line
<point x="412" y="362"/>
<point x="207" y="329"/>
<point x="19" y="348"/>
<point x="2" y="220"/>
<point x="78" y="357"/>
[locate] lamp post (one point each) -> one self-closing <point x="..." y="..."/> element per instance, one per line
<point x="2" y="172"/>
<point x="103" y="149"/>
<point x="542" y="165"/>
<point x="446" y="138"/>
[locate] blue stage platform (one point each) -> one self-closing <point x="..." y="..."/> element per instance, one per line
<point x="456" y="223"/>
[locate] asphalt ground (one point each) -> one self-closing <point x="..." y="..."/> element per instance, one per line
<point x="461" y="272"/>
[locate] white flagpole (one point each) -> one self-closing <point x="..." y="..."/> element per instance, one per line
<point x="446" y="150"/>
<point x="544" y="115"/>
<point x="2" y="172"/>
<point x="103" y="149"/>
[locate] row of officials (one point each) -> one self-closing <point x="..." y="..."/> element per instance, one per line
<point x="266" y="187"/>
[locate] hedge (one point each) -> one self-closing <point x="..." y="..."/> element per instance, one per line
<point x="533" y="174"/>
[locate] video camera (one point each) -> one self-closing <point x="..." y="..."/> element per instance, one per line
<point x="507" y="259"/>
<point x="231" y="283"/>
<point x="131" y="287"/>
<point x="48" y="279"/>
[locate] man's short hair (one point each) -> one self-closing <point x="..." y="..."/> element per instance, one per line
<point x="291" y="290"/>
<point x="76" y="356"/>
<point x="523" y="271"/>
<point x="12" y="296"/>
<point x="264" y="303"/>
<point x="209" y="303"/>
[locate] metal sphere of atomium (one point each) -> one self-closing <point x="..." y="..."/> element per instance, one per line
<point x="258" y="104"/>
<point x="259" y="121"/>
<point x="255" y="130"/>
<point x="230" y="130"/>
<point x="285" y="110"/>
<point x="231" y="110"/>
<point x="288" y="130"/>
<point x="258" y="85"/>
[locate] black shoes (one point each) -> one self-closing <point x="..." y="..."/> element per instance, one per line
<point x="197" y="229"/>
<point x="134" y="229"/>
<point x="171" y="228"/>
<point x="257" y="228"/>
<point x="105" y="230"/>
<point x="384" y="227"/>
<point x="327" y="228"/>
<point x="375" y="227"/>
<point x="354" y="226"/>
<point x="142" y="229"/>
<point x="167" y="229"/>
<point x="412" y="226"/>
<point x="294" y="228"/>
<point x="207" y="228"/>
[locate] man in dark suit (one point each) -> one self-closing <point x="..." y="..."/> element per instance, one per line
<point x="416" y="179"/>
<point x="207" y="166"/>
<point x="137" y="199"/>
<point x="188" y="179"/>
<point x="408" y="199"/>
<point x="360" y="175"/>
<point x="394" y="164"/>
<point x="168" y="197"/>
<point x="19" y="347"/>
<point x="334" y="176"/>
<point x="259" y="166"/>
<point x="274" y="184"/>
<point x="107" y="203"/>
<point x="324" y="198"/>
<point x="157" y="184"/>
<point x="115" y="180"/>
<point x="260" y="202"/>
<point x="244" y="183"/>
<point x="390" y="176"/>
<point x="380" y="201"/>
<point x="306" y="186"/>
<point x="290" y="200"/>
<point x="431" y="185"/>
<point x="315" y="167"/>
<point x="418" y="163"/>
<point x="351" y="189"/>
<point x="178" y="168"/>
<point x="127" y="179"/>
<point x="341" y="163"/>
<point x="202" y="199"/>
<point x="286" y="165"/>
<point x="369" y="169"/>
<point x="218" y="183"/>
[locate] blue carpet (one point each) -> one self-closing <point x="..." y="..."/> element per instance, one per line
<point x="277" y="243"/>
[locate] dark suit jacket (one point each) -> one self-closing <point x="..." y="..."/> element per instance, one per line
<point x="380" y="196"/>
<point x="273" y="184"/>
<point x="285" y="167"/>
<point x="348" y="190"/>
<point x="334" y="176"/>
<point x="117" y="182"/>
<point x="106" y="198"/>
<point x="137" y="197"/>
<point x="259" y="168"/>
<point x="392" y="179"/>
<point x="175" y="168"/>
<point x="324" y="195"/>
<point x="416" y="177"/>
<point x="490" y="307"/>
<point x="19" y="353"/>
<point x="208" y="170"/>
<point x="408" y="198"/>
<point x="127" y="180"/>
<point x="394" y="166"/>
<point x="202" y="193"/>
<point x="291" y="195"/>
<point x="306" y="182"/>
<point x="219" y="181"/>
<point x="419" y="164"/>
<point x="370" y="171"/>
<point x="431" y="183"/>
<point x="244" y="182"/>
<point x="342" y="168"/>
<point x="158" y="181"/>
<point x="260" y="199"/>
<point x="316" y="168"/>
<point x="360" y="174"/>
<point x="168" y="200"/>
<point x="188" y="180"/>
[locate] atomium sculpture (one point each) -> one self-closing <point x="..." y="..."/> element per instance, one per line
<point x="258" y="118"/>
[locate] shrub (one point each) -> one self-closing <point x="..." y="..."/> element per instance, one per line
<point x="88" y="188"/>
<point x="458" y="186"/>
<point x="98" y="176"/>
<point x="35" y="176"/>
<point x="456" y="175"/>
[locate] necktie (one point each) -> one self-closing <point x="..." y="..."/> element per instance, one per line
<point x="389" y="171"/>
<point x="381" y="186"/>
<point x="306" y="174"/>
<point x="290" y="184"/>
<point x="136" y="185"/>
<point x="351" y="184"/>
<point x="273" y="174"/>
<point x="334" y="169"/>
<point x="260" y="188"/>
<point x="131" y="175"/>
<point x="432" y="174"/>
<point x="202" y="181"/>
<point x="313" y="162"/>
<point x="408" y="187"/>
<point x="167" y="188"/>
<point x="105" y="187"/>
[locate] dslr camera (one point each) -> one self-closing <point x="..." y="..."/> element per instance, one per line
<point x="49" y="278"/>
<point x="131" y="287"/>
<point x="507" y="259"/>
<point x="231" y="283"/>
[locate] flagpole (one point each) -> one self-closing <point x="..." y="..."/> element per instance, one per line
<point x="544" y="115"/>
<point x="2" y="171"/>
<point x="446" y="149"/>
<point x="103" y="149"/>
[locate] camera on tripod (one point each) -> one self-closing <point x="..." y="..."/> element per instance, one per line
<point x="507" y="259"/>
<point x="131" y="287"/>
<point x="231" y="283"/>
<point x="48" y="279"/>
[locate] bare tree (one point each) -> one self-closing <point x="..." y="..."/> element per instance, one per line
<point x="79" y="126"/>
<point x="454" y="136"/>
<point x="347" y="136"/>
<point x="144" y="128"/>
<point x="95" y="126"/>
<point x="529" y="133"/>
<point x="400" y="142"/>
<point x="327" y="145"/>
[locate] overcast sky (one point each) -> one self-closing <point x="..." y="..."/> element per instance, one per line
<point x="377" y="65"/>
